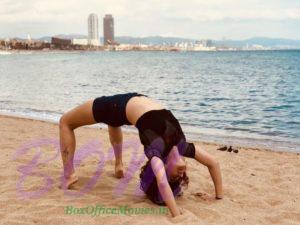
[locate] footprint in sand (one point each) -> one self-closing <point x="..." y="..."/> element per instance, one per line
<point x="204" y="196"/>
<point x="273" y="202"/>
<point x="284" y="218"/>
<point x="187" y="217"/>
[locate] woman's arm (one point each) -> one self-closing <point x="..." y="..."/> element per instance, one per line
<point x="213" y="167"/>
<point x="163" y="185"/>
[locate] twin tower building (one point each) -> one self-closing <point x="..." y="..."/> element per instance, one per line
<point x="93" y="30"/>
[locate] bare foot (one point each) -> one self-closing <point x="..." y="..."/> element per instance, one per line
<point x="119" y="170"/>
<point x="69" y="181"/>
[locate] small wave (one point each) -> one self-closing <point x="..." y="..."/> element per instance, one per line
<point x="238" y="129"/>
<point x="293" y="101"/>
<point x="43" y="111"/>
<point x="293" y="122"/>
<point x="255" y="91"/>
<point x="83" y="85"/>
<point x="217" y="99"/>
<point x="273" y="133"/>
<point x="243" y="122"/>
<point x="202" y="104"/>
<point x="279" y="107"/>
<point x="6" y="101"/>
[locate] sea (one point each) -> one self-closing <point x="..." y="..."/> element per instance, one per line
<point x="238" y="98"/>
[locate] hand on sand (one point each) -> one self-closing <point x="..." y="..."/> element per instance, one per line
<point x="119" y="170"/>
<point x="69" y="181"/>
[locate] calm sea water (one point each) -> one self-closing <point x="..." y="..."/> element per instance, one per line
<point x="239" y="98"/>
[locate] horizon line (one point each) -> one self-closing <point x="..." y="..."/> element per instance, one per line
<point x="162" y="36"/>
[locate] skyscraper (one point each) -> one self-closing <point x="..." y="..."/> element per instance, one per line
<point x="108" y="29"/>
<point x="93" y="30"/>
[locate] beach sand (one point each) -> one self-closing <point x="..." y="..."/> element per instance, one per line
<point x="260" y="186"/>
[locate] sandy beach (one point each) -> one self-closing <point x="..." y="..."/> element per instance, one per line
<point x="260" y="186"/>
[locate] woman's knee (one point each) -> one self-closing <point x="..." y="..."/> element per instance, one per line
<point x="79" y="116"/>
<point x="64" y="122"/>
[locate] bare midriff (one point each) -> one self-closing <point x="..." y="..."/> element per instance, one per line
<point x="139" y="105"/>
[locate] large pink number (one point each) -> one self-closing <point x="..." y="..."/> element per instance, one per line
<point x="91" y="148"/>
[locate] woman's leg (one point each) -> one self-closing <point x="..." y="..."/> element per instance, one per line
<point x="79" y="116"/>
<point x="116" y="140"/>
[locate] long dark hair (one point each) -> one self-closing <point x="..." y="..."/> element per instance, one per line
<point x="148" y="184"/>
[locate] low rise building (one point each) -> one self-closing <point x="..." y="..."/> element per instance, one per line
<point x="61" y="43"/>
<point x="77" y="41"/>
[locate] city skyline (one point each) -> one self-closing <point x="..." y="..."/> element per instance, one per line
<point x="215" y="19"/>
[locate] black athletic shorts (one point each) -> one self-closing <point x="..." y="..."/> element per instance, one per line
<point x="111" y="110"/>
<point x="159" y="131"/>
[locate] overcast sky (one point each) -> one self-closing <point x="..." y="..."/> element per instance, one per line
<point x="215" y="19"/>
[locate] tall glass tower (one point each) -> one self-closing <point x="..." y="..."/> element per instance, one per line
<point x="93" y="30"/>
<point x="108" y="29"/>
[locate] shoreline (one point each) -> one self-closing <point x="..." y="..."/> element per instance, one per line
<point x="30" y="51"/>
<point x="190" y="136"/>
